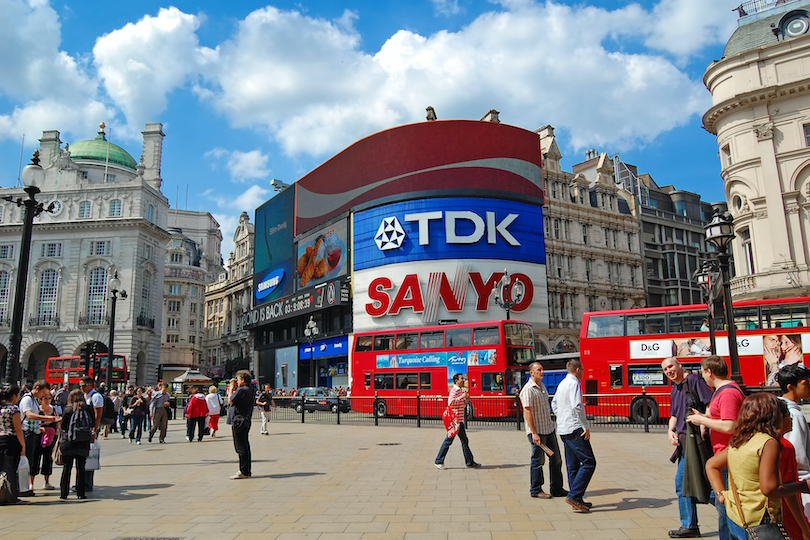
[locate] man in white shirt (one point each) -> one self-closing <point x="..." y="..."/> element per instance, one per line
<point x="793" y="380"/>
<point x="96" y="402"/>
<point x="573" y="427"/>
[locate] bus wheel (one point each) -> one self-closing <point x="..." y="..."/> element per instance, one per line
<point x="380" y="408"/>
<point x="469" y="412"/>
<point x="637" y="411"/>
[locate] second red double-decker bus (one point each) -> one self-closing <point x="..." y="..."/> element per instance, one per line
<point x="396" y="364"/>
<point x="622" y="351"/>
<point x="69" y="369"/>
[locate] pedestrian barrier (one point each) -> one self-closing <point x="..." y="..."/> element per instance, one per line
<point x="646" y="410"/>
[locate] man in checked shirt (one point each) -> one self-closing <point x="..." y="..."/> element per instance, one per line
<point x="540" y="430"/>
<point x="457" y="401"/>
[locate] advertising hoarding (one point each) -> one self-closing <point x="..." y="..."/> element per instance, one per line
<point x="273" y="272"/>
<point x="322" y="255"/>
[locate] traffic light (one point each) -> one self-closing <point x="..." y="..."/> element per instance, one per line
<point x="85" y="354"/>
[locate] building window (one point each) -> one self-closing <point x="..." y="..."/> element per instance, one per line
<point x="591" y="303"/>
<point x="556" y="229"/>
<point x="554" y="190"/>
<point x="48" y="289"/>
<point x="585" y="234"/>
<point x="147" y="252"/>
<point x="5" y="280"/>
<point x="83" y="175"/>
<point x="110" y="178"/>
<point x="176" y="258"/>
<point x="146" y="285"/>
<point x="1" y="215"/>
<point x="150" y="213"/>
<point x="607" y="237"/>
<point x="193" y="292"/>
<point x="725" y="152"/>
<point x="582" y="196"/>
<point x="52" y="250"/>
<point x="807" y="134"/>
<point x="172" y="338"/>
<point x="115" y="208"/>
<point x="6" y="251"/>
<point x="603" y="200"/>
<point x="192" y="323"/>
<point x="192" y="308"/>
<point x="588" y="269"/>
<point x="630" y="241"/>
<point x="633" y="276"/>
<point x="748" y="250"/>
<point x="96" y="295"/>
<point x="567" y="229"/>
<point x="171" y="323"/>
<point x="192" y="339"/>
<point x="615" y="239"/>
<point x="175" y="289"/>
<point x="610" y="202"/>
<point x="173" y="305"/>
<point x="84" y="210"/>
<point x="100" y="247"/>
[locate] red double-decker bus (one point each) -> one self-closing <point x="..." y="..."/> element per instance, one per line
<point x="622" y="351"/>
<point x="395" y="365"/>
<point x="69" y="369"/>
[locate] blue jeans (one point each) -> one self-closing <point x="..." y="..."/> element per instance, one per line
<point x="738" y="533"/>
<point x="580" y="462"/>
<point x="686" y="505"/>
<point x="135" y="427"/>
<point x="723" y="523"/>
<point x="554" y="466"/>
<point x="465" y="447"/>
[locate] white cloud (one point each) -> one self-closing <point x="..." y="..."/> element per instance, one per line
<point x="446" y="7"/>
<point x="243" y="166"/>
<point x="246" y="202"/>
<point x="142" y="62"/>
<point x="684" y="27"/>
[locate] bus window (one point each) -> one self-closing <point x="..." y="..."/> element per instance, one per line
<point x="407" y="341"/>
<point x="491" y="382"/>
<point x="384" y="381"/>
<point x="384" y="342"/>
<point x="606" y="326"/>
<point x="746" y="318"/>
<point x="367" y="380"/>
<point x="643" y="324"/>
<point x="794" y="316"/>
<point x="363" y="343"/>
<point x="686" y="321"/>
<point x="646" y="375"/>
<point x="424" y="381"/>
<point x="459" y="337"/>
<point x="431" y="340"/>
<point x="118" y="362"/>
<point x="75" y="363"/>
<point x="487" y="335"/>
<point x="522" y="357"/>
<point x="616" y="376"/>
<point x="56" y="363"/>
<point x="407" y="381"/>
<point x="519" y="334"/>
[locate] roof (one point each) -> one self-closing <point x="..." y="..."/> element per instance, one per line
<point x="99" y="149"/>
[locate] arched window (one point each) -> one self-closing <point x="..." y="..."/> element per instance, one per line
<point x="48" y="292"/>
<point x="748" y="251"/>
<point x="5" y="279"/>
<point x="150" y="213"/>
<point x="96" y="296"/>
<point x="145" y="287"/>
<point x="115" y="208"/>
<point x="84" y="209"/>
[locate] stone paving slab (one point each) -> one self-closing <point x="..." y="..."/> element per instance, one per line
<point x="322" y="482"/>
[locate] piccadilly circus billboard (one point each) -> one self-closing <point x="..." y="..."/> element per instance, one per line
<point x="421" y="261"/>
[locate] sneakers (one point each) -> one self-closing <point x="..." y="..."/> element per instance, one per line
<point x="137" y="442"/>
<point x="239" y="476"/>
<point x="685" y="532"/>
<point x="48" y="487"/>
<point x="473" y="465"/>
<point x="542" y="495"/>
<point x="439" y="466"/>
<point x="265" y="433"/>
<point x="561" y="493"/>
<point x="579" y="506"/>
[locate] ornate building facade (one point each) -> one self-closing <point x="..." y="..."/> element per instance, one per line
<point x="109" y="217"/>
<point x="761" y="116"/>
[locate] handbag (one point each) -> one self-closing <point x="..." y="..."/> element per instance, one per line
<point x="450" y="422"/>
<point x="6" y="495"/>
<point x="57" y="451"/>
<point x="93" y="462"/>
<point x="23" y="476"/>
<point x="774" y="530"/>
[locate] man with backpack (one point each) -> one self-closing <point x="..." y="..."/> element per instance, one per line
<point x="96" y="402"/>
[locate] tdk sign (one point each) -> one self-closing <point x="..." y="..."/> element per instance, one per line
<point x="449" y="228"/>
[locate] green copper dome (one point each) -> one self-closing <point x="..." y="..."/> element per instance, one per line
<point x="96" y="149"/>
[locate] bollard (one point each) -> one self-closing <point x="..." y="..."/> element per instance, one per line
<point x="374" y="410"/>
<point x="418" y="410"/>
<point x="646" y="410"/>
<point x="303" y="409"/>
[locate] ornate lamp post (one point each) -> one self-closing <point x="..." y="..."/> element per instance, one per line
<point x="720" y="233"/>
<point x="33" y="177"/>
<point x="505" y="291"/>
<point x="706" y="276"/>
<point x="115" y="292"/>
<point x="311" y="332"/>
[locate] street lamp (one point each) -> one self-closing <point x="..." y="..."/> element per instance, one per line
<point x="720" y="233"/>
<point x="311" y="332"/>
<point x="505" y="290"/>
<point x="706" y="277"/>
<point x="115" y="292"/>
<point x="33" y="176"/>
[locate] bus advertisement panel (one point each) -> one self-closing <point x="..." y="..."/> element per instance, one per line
<point x="392" y="364"/>
<point x="622" y="351"/>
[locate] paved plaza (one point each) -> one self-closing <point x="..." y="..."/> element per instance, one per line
<point x="325" y="481"/>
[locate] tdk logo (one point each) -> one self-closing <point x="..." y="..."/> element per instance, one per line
<point x="390" y="234"/>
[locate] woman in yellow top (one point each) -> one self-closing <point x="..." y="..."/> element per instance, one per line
<point x="752" y="459"/>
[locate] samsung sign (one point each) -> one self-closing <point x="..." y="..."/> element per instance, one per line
<point x="452" y="228"/>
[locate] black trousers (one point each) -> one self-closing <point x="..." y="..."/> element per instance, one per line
<point x="10" y="452"/>
<point x="197" y="422"/>
<point x="242" y="446"/>
<point x="67" y="468"/>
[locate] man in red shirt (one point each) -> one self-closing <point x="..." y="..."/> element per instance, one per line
<point x="457" y="401"/>
<point x="723" y="411"/>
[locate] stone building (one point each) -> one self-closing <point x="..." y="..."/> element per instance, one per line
<point x="761" y="116"/>
<point x="593" y="255"/>
<point x="226" y="300"/>
<point x="192" y="262"/>
<point x="109" y="216"/>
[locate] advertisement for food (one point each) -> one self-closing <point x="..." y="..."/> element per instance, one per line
<point x="322" y="255"/>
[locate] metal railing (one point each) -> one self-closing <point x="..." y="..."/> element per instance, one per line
<point x="750" y="7"/>
<point x="47" y="320"/>
<point x="143" y="320"/>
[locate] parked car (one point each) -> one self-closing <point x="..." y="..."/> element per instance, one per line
<point x="319" y="398"/>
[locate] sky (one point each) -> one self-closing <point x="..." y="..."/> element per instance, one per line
<point x="248" y="92"/>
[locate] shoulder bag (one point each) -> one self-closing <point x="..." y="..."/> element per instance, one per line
<point x="767" y="531"/>
<point x="57" y="450"/>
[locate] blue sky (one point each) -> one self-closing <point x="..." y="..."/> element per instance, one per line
<point x="249" y="91"/>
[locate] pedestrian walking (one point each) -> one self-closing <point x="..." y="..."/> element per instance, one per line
<point x="457" y="402"/>
<point x="794" y="380"/>
<point x="214" y="402"/>
<point x="241" y="399"/>
<point x="77" y="434"/>
<point x="138" y="409"/>
<point x="196" y="411"/>
<point x="575" y="434"/>
<point x="12" y="439"/>
<point x="265" y="401"/>
<point x="534" y="399"/>
<point x="123" y="416"/>
<point x="159" y="411"/>
<point x="96" y="402"/>
<point x="113" y="426"/>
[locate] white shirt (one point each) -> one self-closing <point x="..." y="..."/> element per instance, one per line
<point x="799" y="437"/>
<point x="94" y="399"/>
<point x="568" y="406"/>
<point x="214" y="403"/>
